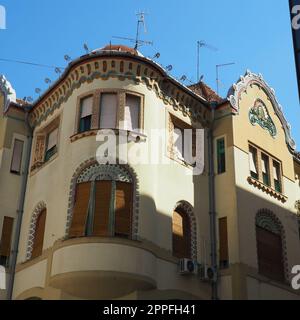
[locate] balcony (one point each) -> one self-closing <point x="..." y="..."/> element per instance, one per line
<point x="93" y="268"/>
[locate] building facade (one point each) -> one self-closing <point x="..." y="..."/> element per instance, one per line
<point x="97" y="227"/>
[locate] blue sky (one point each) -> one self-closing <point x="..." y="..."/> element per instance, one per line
<point x="255" y="34"/>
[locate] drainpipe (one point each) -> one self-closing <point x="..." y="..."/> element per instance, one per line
<point x="212" y="206"/>
<point x="20" y="211"/>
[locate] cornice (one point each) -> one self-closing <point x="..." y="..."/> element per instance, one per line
<point x="124" y="67"/>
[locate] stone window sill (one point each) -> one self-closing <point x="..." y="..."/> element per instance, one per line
<point x="132" y="135"/>
<point x="273" y="193"/>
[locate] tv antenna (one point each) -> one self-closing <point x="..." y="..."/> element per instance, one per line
<point x="218" y="66"/>
<point x="137" y="41"/>
<point x="202" y="44"/>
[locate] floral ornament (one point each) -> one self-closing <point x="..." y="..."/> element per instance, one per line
<point x="258" y="114"/>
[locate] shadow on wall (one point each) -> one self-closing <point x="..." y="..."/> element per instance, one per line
<point x="249" y="206"/>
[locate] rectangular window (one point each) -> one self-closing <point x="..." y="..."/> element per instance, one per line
<point x="253" y="162"/>
<point x="17" y="157"/>
<point x="277" y="176"/>
<point x="6" y="236"/>
<point x="265" y="169"/>
<point x="86" y="114"/>
<point x="132" y="112"/>
<point x="221" y="160"/>
<point x="51" y="148"/>
<point x="108" y="111"/>
<point x="223" y="243"/>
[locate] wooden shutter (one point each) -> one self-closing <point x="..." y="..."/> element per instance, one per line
<point x="17" y="156"/>
<point x="223" y="241"/>
<point x="269" y="254"/>
<point x="39" y="235"/>
<point x="132" y="112"/>
<point x="39" y="150"/>
<point x="102" y="207"/>
<point x="80" y="210"/>
<point x="123" y="209"/>
<point x="108" y="111"/>
<point x="7" y="230"/>
<point x="181" y="235"/>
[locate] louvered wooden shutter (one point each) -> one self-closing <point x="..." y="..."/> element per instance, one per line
<point x="181" y="235"/>
<point x="39" y="235"/>
<point x="39" y="150"/>
<point x="123" y="209"/>
<point x="7" y="230"/>
<point x="223" y="241"/>
<point x="269" y="254"/>
<point x="80" y="210"/>
<point x="102" y="207"/>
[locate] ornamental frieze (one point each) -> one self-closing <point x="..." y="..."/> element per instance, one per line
<point x="122" y="70"/>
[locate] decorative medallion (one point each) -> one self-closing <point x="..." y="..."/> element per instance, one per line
<point x="259" y="114"/>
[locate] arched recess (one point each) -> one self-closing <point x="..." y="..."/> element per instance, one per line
<point x="185" y="210"/>
<point x="39" y="209"/>
<point x="90" y="171"/>
<point x="271" y="246"/>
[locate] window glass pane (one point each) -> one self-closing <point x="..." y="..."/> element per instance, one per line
<point x="265" y="169"/>
<point x="17" y="156"/>
<point x="221" y="155"/>
<point x="108" y="111"/>
<point x="132" y="111"/>
<point x="253" y="162"/>
<point x="85" y="124"/>
<point x="276" y="175"/>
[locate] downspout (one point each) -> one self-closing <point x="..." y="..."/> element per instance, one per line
<point x="212" y="206"/>
<point x="20" y="211"/>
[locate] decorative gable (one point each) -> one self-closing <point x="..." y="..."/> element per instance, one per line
<point x="235" y="96"/>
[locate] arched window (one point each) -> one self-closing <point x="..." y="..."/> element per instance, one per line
<point x="38" y="241"/>
<point x="184" y="241"/>
<point x="269" y="245"/>
<point x="103" y="202"/>
<point x="181" y="234"/>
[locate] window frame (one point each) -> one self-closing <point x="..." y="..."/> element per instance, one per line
<point x="120" y="114"/>
<point x="174" y="122"/>
<point x="21" y="157"/>
<point x="80" y="112"/>
<point x="218" y="170"/>
<point x="271" y="160"/>
<point x="43" y="134"/>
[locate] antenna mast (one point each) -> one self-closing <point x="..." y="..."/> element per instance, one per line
<point x="202" y="44"/>
<point x="137" y="41"/>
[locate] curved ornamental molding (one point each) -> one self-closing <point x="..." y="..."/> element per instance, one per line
<point x="189" y="210"/>
<point x="104" y="68"/>
<point x="267" y="220"/>
<point x="7" y="91"/>
<point x="38" y="209"/>
<point x="259" y="114"/>
<point x="235" y="93"/>
<point x="91" y="170"/>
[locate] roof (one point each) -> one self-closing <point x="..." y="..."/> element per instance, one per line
<point x="203" y="90"/>
<point x="119" y="48"/>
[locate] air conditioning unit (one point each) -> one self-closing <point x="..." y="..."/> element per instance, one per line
<point x="207" y="273"/>
<point x="188" y="266"/>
